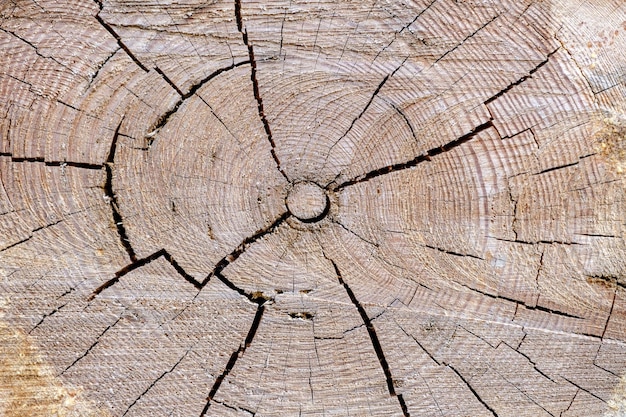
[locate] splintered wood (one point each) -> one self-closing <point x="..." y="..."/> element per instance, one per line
<point x="313" y="208"/>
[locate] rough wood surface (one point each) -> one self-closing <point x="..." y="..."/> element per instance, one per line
<point x="313" y="208"/>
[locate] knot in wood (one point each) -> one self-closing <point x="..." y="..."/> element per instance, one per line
<point x="307" y="201"/>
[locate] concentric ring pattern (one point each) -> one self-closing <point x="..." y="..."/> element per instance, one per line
<point x="298" y="208"/>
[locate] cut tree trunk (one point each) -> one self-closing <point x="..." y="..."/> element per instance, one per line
<point x="313" y="208"/>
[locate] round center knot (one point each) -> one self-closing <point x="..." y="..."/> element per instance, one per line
<point x="307" y="201"/>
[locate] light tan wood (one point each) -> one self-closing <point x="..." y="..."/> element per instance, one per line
<point x="299" y="208"/>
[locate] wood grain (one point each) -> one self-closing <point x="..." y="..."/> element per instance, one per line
<point x="298" y="208"/>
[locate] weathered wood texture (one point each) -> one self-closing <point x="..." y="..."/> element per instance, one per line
<point x="313" y="208"/>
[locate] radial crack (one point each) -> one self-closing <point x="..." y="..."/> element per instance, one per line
<point x="92" y="346"/>
<point x="369" y="103"/>
<point x="154" y="382"/>
<point x="117" y="37"/>
<point x="373" y="337"/>
<point x="522" y="79"/>
<point x="473" y="390"/>
<point x="418" y="159"/>
<point x="236" y="355"/>
<point x="239" y="250"/>
<point x="112" y="198"/>
<point x="165" y="117"/>
<point x="255" y="86"/>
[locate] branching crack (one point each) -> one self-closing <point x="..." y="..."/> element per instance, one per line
<point x="472" y="390"/>
<point x="138" y="263"/>
<point x="236" y="355"/>
<point x="117" y="37"/>
<point x="255" y="86"/>
<point x="518" y="302"/>
<point x="418" y="159"/>
<point x="165" y="117"/>
<point x="373" y="337"/>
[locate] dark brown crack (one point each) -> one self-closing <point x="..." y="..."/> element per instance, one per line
<point x="419" y="344"/>
<point x="239" y="250"/>
<point x="518" y="302"/>
<point x="405" y="27"/>
<point x="255" y="87"/>
<point x="155" y="382"/>
<point x="583" y="389"/>
<point x="466" y="39"/>
<point x="522" y="79"/>
<point x="45" y="316"/>
<point x="374" y="339"/>
<point x="236" y="355"/>
<point x="165" y="117"/>
<point x="369" y="103"/>
<point x="217" y="270"/>
<point x="84" y="165"/>
<point x="418" y="159"/>
<point x="117" y="37"/>
<point x="92" y="346"/>
<point x="112" y="198"/>
<point x="473" y="390"/>
<point x="449" y="252"/>
<point x="102" y="64"/>
<point x="138" y="263"/>
<point x="531" y="362"/>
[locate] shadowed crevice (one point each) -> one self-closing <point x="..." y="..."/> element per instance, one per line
<point x="117" y="37"/>
<point x="466" y="382"/>
<point x="112" y="198"/>
<point x="236" y="355"/>
<point x="418" y="159"/>
<point x="165" y="117"/>
<point x="138" y="263"/>
<point x="373" y="337"/>
<point x="255" y="87"/>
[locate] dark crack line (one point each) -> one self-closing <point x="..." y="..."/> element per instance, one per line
<point x="165" y="117"/>
<point x="531" y="362"/>
<point x="466" y="39"/>
<point x="155" y="382"/>
<point x="522" y="79"/>
<point x="255" y="87"/>
<point x="419" y="344"/>
<point x="449" y="252"/>
<point x="473" y="390"/>
<point x="84" y="165"/>
<point x="418" y="159"/>
<point x="45" y="316"/>
<point x="369" y="103"/>
<point x="518" y="302"/>
<point x="239" y="250"/>
<point x="217" y="270"/>
<point x="138" y="263"/>
<point x="92" y="346"/>
<point x="373" y="337"/>
<point x="236" y="355"/>
<point x="117" y="37"/>
<point x="405" y="27"/>
<point x="583" y="389"/>
<point x="606" y="325"/>
<point x="112" y="198"/>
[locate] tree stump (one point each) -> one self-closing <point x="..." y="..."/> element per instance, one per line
<point x="313" y="208"/>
